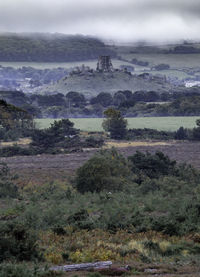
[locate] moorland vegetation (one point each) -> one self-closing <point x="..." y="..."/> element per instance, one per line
<point x="144" y="209"/>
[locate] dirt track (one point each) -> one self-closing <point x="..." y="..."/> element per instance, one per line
<point x="188" y="152"/>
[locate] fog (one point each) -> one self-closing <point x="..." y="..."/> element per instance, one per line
<point x="117" y="20"/>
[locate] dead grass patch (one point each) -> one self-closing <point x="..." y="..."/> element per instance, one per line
<point x="21" y="141"/>
<point x="123" y="144"/>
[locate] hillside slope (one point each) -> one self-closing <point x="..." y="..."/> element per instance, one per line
<point x="91" y="85"/>
<point x="50" y="48"/>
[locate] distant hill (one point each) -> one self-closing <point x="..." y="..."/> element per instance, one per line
<point x="96" y="82"/>
<point x="50" y="48"/>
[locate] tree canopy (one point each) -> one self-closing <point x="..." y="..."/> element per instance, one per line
<point x="115" y="124"/>
<point x="50" y="47"/>
<point x="13" y="117"/>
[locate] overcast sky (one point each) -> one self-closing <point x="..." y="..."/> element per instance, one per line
<point x="117" y="20"/>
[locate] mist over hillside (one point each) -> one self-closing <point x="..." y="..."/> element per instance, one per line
<point x="46" y="47"/>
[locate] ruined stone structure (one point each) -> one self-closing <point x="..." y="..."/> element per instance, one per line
<point x="104" y="64"/>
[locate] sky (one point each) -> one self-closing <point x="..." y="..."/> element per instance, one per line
<point x="115" y="20"/>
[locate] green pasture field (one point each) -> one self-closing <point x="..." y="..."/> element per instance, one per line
<point x="174" y="60"/>
<point x="159" y="123"/>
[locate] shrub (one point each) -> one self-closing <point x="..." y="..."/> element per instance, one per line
<point x="93" y="142"/>
<point x="7" y="187"/>
<point x="14" y="270"/>
<point x="23" y="270"/>
<point x="181" y="133"/>
<point x="52" y="136"/>
<point x="196" y="133"/>
<point x="147" y="133"/>
<point x="14" y="150"/>
<point x="106" y="170"/>
<point x="152" y="165"/>
<point x="17" y="242"/>
<point x="80" y="219"/>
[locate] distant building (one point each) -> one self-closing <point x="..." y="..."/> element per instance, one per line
<point x="104" y="64"/>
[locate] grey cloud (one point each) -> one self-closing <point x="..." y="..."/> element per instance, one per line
<point x="121" y="20"/>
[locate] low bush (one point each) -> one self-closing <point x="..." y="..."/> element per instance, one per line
<point x="148" y="133"/>
<point x="93" y="142"/>
<point x="17" y="243"/>
<point x="152" y="165"/>
<point x="7" y="187"/>
<point x="15" y="150"/>
<point x="15" y="270"/>
<point x="24" y="270"/>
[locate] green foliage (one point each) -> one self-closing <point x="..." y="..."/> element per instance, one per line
<point x="103" y="98"/>
<point x="7" y="187"/>
<point x="53" y="136"/>
<point x="15" y="150"/>
<point x="17" y="242"/>
<point x="152" y="165"/>
<point x="94" y="274"/>
<point x="181" y="134"/>
<point x="75" y="99"/>
<point x="115" y="124"/>
<point x="12" y="117"/>
<point x="24" y="270"/>
<point x="148" y="133"/>
<point x="107" y="170"/>
<point x="14" y="270"/>
<point x="51" y="48"/>
<point x="93" y="142"/>
<point x="80" y="220"/>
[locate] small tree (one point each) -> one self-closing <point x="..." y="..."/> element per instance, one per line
<point x="59" y="132"/>
<point x="115" y="124"/>
<point x="181" y="133"/>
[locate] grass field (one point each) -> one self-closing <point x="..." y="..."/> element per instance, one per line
<point x="174" y="60"/>
<point x="159" y="123"/>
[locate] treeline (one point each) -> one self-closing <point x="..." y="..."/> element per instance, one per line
<point x="139" y="103"/>
<point x="50" y="48"/>
<point x="184" y="49"/>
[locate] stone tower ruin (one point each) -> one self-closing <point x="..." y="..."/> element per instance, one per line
<point x="104" y="64"/>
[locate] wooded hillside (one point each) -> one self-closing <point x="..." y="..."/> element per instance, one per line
<point x="50" y="47"/>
